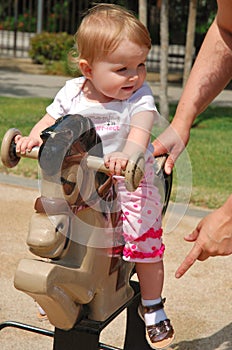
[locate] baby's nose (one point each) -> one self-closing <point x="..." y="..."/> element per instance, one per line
<point x="133" y="75"/>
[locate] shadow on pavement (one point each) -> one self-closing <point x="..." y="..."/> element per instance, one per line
<point x="215" y="341"/>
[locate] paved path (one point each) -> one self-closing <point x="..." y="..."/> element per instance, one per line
<point x="16" y="84"/>
<point x="21" y="84"/>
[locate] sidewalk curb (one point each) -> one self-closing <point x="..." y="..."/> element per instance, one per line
<point x="27" y="183"/>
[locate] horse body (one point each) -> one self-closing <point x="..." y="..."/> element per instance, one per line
<point x="73" y="231"/>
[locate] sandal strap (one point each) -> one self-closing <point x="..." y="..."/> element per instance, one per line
<point x="152" y="308"/>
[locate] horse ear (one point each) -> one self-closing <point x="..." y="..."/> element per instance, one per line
<point x="53" y="150"/>
<point x="51" y="130"/>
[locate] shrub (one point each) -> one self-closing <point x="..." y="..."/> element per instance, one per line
<point x="48" y="47"/>
<point x="56" y="52"/>
<point x="62" y="68"/>
<point x="24" y="23"/>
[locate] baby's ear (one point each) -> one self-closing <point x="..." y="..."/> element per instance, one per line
<point x="85" y="68"/>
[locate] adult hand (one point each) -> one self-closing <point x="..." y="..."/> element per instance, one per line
<point x="172" y="142"/>
<point x="212" y="237"/>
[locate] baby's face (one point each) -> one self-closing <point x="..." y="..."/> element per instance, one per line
<point x="121" y="72"/>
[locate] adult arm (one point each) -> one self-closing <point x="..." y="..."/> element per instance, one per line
<point x="211" y="72"/>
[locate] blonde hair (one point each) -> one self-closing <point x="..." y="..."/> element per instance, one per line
<point x="104" y="27"/>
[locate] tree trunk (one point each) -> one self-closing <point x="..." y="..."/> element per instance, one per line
<point x="164" y="43"/>
<point x="189" y="48"/>
<point x="143" y="11"/>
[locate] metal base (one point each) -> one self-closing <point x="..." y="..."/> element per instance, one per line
<point x="26" y="327"/>
<point x="86" y="333"/>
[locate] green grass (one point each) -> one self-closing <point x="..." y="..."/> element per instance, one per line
<point x="211" y="156"/>
<point x="209" y="148"/>
<point x="23" y="114"/>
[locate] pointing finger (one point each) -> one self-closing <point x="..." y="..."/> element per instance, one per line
<point x="189" y="260"/>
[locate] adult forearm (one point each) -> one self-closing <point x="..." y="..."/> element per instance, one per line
<point x="210" y="74"/>
<point x="227" y="206"/>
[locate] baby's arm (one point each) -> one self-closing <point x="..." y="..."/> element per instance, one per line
<point x="26" y="143"/>
<point x="137" y="141"/>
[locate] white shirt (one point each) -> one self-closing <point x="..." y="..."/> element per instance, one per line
<point x="111" y="120"/>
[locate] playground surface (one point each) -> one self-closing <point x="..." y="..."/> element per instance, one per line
<point x="199" y="304"/>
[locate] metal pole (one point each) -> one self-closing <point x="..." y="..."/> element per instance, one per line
<point x="40" y="17"/>
<point x="26" y="327"/>
<point x="15" y="25"/>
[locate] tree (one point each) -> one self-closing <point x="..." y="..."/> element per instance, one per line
<point x="189" y="48"/>
<point x="143" y="11"/>
<point x="164" y="43"/>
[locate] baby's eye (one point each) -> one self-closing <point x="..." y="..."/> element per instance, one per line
<point x="141" y="65"/>
<point x="123" y="69"/>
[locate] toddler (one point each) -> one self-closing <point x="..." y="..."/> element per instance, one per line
<point x="113" y="46"/>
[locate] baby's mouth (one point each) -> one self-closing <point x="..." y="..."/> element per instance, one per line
<point x="128" y="88"/>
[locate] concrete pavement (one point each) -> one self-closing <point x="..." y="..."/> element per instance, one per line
<point x="19" y="78"/>
<point x="18" y="84"/>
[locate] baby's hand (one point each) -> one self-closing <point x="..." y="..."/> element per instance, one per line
<point x="26" y="143"/>
<point x="116" y="162"/>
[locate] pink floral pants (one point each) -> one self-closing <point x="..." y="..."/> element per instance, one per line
<point x="141" y="218"/>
